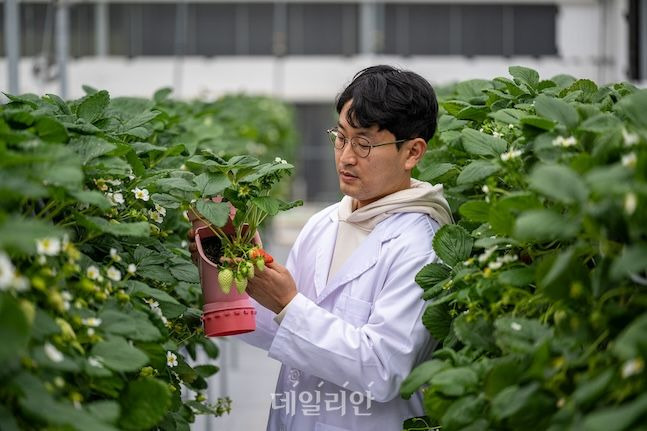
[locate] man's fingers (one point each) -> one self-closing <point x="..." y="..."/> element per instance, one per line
<point x="191" y="234"/>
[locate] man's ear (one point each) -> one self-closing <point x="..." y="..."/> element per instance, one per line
<point x="416" y="148"/>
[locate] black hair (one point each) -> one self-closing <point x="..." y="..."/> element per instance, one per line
<point x="400" y="101"/>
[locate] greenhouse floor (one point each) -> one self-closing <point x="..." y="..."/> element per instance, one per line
<point x="247" y="375"/>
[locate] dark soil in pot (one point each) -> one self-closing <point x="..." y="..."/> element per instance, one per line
<point x="212" y="249"/>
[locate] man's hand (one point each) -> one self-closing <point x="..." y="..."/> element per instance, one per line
<point x="273" y="288"/>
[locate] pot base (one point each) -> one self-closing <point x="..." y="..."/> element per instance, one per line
<point x="220" y="323"/>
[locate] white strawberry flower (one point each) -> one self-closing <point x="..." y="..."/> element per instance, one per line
<point x="508" y="258"/>
<point x="118" y="198"/>
<point x="155" y="216"/>
<point x="629" y="160"/>
<point x="92" y="272"/>
<point x="132" y="268"/>
<point x="53" y="353"/>
<point x="20" y="283"/>
<point x="114" y="255"/>
<point x="497" y="134"/>
<point x="90" y="332"/>
<point x="67" y="299"/>
<point x="495" y="265"/>
<point x="152" y="303"/>
<point x="160" y="209"/>
<point x="509" y="155"/>
<point x="92" y="322"/>
<point x="161" y="316"/>
<point x="113" y="273"/>
<point x="515" y="326"/>
<point x="560" y="141"/>
<point x="171" y="359"/>
<point x="630" y="139"/>
<point x="631" y="202"/>
<point x="141" y="194"/>
<point x="632" y="367"/>
<point x="486" y="255"/>
<point x="48" y="246"/>
<point x="485" y="189"/>
<point x="95" y="361"/>
<point x="7" y="271"/>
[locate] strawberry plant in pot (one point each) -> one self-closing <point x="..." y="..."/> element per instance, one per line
<point x="226" y="234"/>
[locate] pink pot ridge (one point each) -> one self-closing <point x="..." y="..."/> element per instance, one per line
<point x="223" y="313"/>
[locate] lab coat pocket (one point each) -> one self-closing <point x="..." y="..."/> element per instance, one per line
<point x="323" y="427"/>
<point x="355" y="311"/>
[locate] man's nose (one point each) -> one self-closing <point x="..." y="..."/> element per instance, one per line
<point x="348" y="156"/>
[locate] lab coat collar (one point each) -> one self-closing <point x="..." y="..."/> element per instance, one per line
<point x="362" y="259"/>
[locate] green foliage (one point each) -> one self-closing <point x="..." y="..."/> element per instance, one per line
<point x="99" y="301"/>
<point x="539" y="303"/>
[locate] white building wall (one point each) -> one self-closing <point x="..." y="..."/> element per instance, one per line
<point x="591" y="41"/>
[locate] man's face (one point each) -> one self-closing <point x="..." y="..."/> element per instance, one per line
<point x="385" y="171"/>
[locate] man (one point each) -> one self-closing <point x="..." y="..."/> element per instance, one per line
<point x="344" y="314"/>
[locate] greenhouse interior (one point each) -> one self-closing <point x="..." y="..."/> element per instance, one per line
<point x="323" y="215"/>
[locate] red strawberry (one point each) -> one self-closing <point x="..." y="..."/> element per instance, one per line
<point x="266" y="256"/>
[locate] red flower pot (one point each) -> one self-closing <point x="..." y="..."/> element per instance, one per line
<point x="223" y="313"/>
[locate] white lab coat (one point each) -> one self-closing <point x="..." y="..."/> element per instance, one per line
<point x="355" y="337"/>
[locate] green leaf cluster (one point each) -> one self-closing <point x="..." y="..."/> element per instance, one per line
<point x="99" y="301"/>
<point x="538" y="298"/>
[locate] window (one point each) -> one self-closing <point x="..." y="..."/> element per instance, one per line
<point x="142" y="29"/>
<point x="206" y="29"/>
<point x="534" y="30"/>
<point x="37" y="21"/>
<point x="469" y="29"/>
<point x="322" y="29"/>
<point x="81" y="29"/>
<point x="637" y="20"/>
<point x="429" y="29"/>
<point x="232" y="29"/>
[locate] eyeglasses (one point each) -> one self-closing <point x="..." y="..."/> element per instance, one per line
<point x="361" y="146"/>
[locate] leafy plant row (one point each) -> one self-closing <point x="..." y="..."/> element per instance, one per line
<point x="540" y="301"/>
<point x="99" y="301"/>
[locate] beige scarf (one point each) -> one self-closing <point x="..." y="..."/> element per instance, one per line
<point x="356" y="224"/>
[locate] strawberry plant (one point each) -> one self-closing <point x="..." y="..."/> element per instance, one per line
<point x="245" y="184"/>
<point x="99" y="301"/>
<point x="539" y="300"/>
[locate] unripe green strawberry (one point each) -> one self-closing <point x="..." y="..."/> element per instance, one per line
<point x="225" y="279"/>
<point x="260" y="264"/>
<point x="241" y="284"/>
<point x="250" y="270"/>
